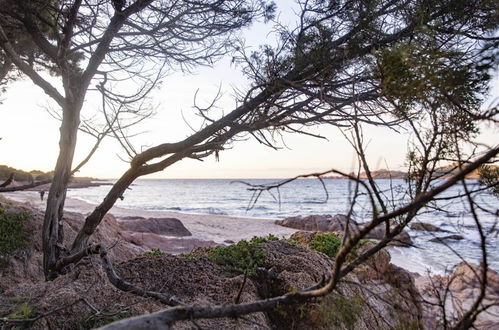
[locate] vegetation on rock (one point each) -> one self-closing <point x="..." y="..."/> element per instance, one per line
<point x="12" y="234"/>
<point x="327" y="243"/>
<point x="154" y="252"/>
<point x="244" y="257"/>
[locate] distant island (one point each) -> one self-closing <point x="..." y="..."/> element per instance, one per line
<point x="441" y="172"/>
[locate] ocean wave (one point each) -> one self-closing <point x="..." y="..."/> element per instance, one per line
<point x="205" y="210"/>
<point x="314" y="201"/>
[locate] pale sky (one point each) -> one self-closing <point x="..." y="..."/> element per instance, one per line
<point x="30" y="135"/>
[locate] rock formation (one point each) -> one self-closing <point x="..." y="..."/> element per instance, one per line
<point x="337" y="223"/>
<point x="417" y="225"/>
<point x="161" y="226"/>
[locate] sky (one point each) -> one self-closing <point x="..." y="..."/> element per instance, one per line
<point x="30" y="134"/>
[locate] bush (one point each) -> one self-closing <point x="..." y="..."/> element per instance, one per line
<point x="153" y="253"/>
<point x="241" y="258"/>
<point x="328" y="243"/>
<point x="13" y="236"/>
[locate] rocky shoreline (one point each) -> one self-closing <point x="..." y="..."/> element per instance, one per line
<point x="131" y="235"/>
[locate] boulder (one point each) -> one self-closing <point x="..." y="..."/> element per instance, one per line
<point x="376" y="266"/>
<point x="303" y="237"/>
<point x="161" y="226"/>
<point x="295" y="267"/>
<point x="197" y="281"/>
<point x="403" y="239"/>
<point x="149" y="241"/>
<point x="467" y="275"/>
<point x="461" y="289"/>
<point x="324" y="223"/>
<point x="423" y="226"/>
<point x="446" y="238"/>
<point x="337" y="223"/>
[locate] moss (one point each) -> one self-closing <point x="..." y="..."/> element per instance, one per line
<point x="13" y="236"/>
<point x="244" y="257"/>
<point x="153" y="253"/>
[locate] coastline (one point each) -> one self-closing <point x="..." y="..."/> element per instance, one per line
<point x="223" y="229"/>
<point x="209" y="227"/>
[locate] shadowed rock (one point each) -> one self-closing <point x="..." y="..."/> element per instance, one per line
<point x="324" y="223"/>
<point x="338" y="223"/>
<point x="425" y="227"/>
<point x="402" y="239"/>
<point x="446" y="238"/>
<point x="161" y="226"/>
<point x="171" y="245"/>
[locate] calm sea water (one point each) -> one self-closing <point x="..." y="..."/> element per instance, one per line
<point x="309" y="196"/>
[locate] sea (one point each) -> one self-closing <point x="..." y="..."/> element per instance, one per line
<point x="329" y="196"/>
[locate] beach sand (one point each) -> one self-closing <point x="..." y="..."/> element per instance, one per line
<point x="210" y="227"/>
<point x="221" y="229"/>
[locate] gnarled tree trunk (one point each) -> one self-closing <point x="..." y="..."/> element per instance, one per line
<point x="52" y="225"/>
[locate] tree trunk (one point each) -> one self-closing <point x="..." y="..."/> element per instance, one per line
<point x="52" y="225"/>
<point x="95" y="218"/>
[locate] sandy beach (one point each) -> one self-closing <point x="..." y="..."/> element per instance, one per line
<point x="221" y="229"/>
<point x="210" y="227"/>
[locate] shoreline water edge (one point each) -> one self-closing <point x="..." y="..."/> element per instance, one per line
<point x="226" y="229"/>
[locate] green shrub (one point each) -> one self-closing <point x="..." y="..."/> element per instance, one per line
<point x="328" y="243"/>
<point x="263" y="239"/>
<point x="244" y="257"/>
<point x="154" y="252"/>
<point x="13" y="236"/>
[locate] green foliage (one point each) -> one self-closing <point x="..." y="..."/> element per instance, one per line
<point x="489" y="176"/>
<point x="421" y="74"/>
<point x="244" y="257"/>
<point x="330" y="243"/>
<point x="22" y="311"/>
<point x="12" y="234"/>
<point x="154" y="252"/>
<point x="263" y="239"/>
<point x="327" y="243"/>
<point x="336" y="310"/>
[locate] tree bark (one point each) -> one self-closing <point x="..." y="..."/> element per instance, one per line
<point x="94" y="219"/>
<point x="52" y="225"/>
